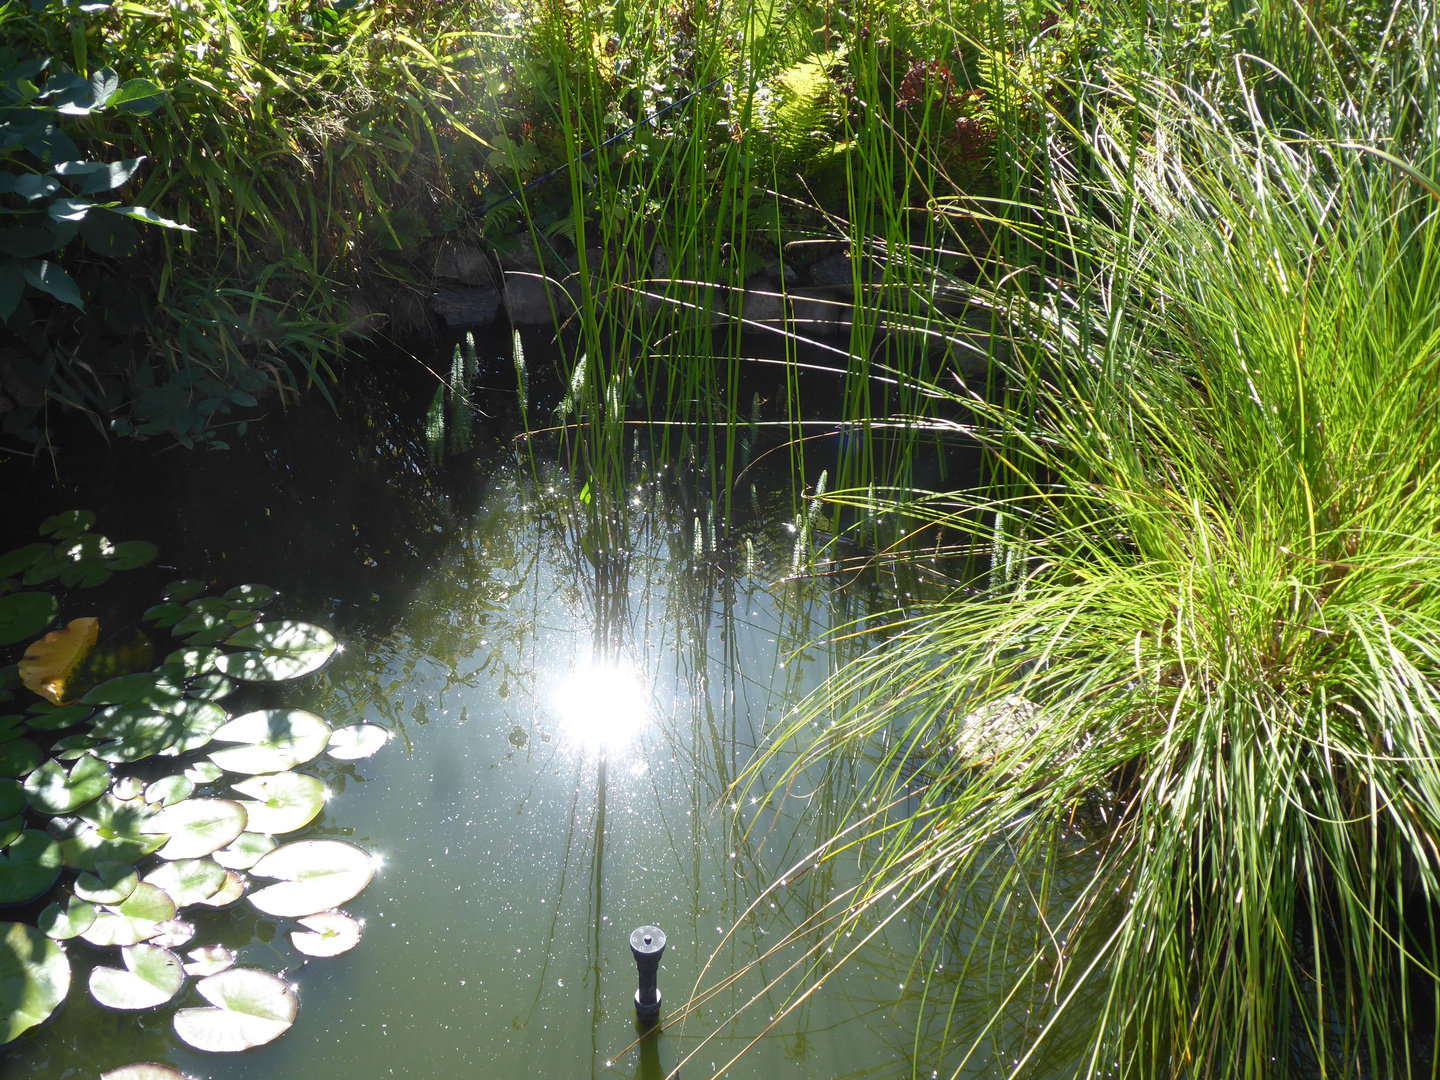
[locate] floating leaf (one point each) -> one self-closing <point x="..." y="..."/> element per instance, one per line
<point x="137" y="919"/>
<point x="29" y="867"/>
<point x="183" y="590"/>
<point x="166" y="614"/>
<point x="173" y="934"/>
<point x="277" y="651"/>
<point x="84" y="561"/>
<point x="21" y="559"/>
<point x="358" y="741"/>
<point x="199" y="720"/>
<point x="72" y="747"/>
<point x="210" y="687"/>
<point x="142" y="688"/>
<point x="134" y="732"/>
<point x="188" y="881"/>
<point x="111" y="883"/>
<point x="10" y="829"/>
<point x="275" y="740"/>
<point x="19" y="757"/>
<point x="128" y="787"/>
<point x="204" y="772"/>
<point x="284" y="801"/>
<point x="145" y="1070"/>
<point x="34" y="978"/>
<point x="50" y="662"/>
<point x="53" y="790"/>
<point x="25" y="614"/>
<point x="203" y="615"/>
<point x="197" y="827"/>
<point x="317" y="875"/>
<point x="132" y="553"/>
<point x="151" y="977"/>
<point x="45" y="716"/>
<point x="70" y="523"/>
<point x="331" y="933"/>
<point x="196" y="659"/>
<point x="170" y="789"/>
<point x="12" y="798"/>
<point x="12" y="727"/>
<point x="111" y="831"/>
<point x="251" y="1008"/>
<point x="245" y="852"/>
<point x="209" y="960"/>
<point x="251" y="596"/>
<point x="67" y="922"/>
<point x="233" y="889"/>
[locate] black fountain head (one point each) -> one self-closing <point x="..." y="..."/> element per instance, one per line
<point x="648" y="943"/>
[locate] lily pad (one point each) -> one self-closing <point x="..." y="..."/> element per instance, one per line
<point x="72" y="747"/>
<point x="317" y="875"/>
<point x="330" y="934"/>
<point x="166" y="614"/>
<point x="128" y="787"/>
<point x="111" y="883"/>
<point x="54" y="790"/>
<point x="29" y="868"/>
<point x="12" y="727"/>
<point x="68" y="524"/>
<point x="19" y="757"/>
<point x="233" y="889"/>
<point x="195" y="659"/>
<point x="204" y="772"/>
<point x="132" y="553"/>
<point x="201" y="616"/>
<point x="111" y="830"/>
<point x="251" y="596"/>
<point x="275" y="740"/>
<point x="173" y="934"/>
<point x="47" y="717"/>
<point x="12" y="798"/>
<point x="210" y="687"/>
<point x="188" y="881"/>
<point x="25" y="614"/>
<point x="251" y="1008"/>
<point x="245" y="852"/>
<point x="34" y="978"/>
<point x="144" y="687"/>
<point x="21" y="559"/>
<point x="358" y="741"/>
<point x="50" y="662"/>
<point x="67" y="922"/>
<point x="138" y="732"/>
<point x="276" y="651"/>
<point x="209" y="960"/>
<point x="197" y="827"/>
<point x="169" y="790"/>
<point x="199" y="721"/>
<point x="84" y="560"/>
<point x="144" y="1070"/>
<point x="284" y="801"/>
<point x="183" y="590"/>
<point x="137" y="919"/>
<point x="151" y="977"/>
<point x="10" y="829"/>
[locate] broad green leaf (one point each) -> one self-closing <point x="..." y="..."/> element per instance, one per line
<point x="34" y="978"/>
<point x="111" y="883"/>
<point x="199" y="720"/>
<point x="356" y="742"/>
<point x="245" y="852"/>
<point x="29" y="867"/>
<point x="135" y="732"/>
<point x="84" y="560"/>
<point x="233" y="889"/>
<point x="251" y="596"/>
<point x="128" y="787"/>
<point x="169" y="790"/>
<point x="103" y="84"/>
<point x="251" y="1008"/>
<point x="209" y="960"/>
<point x="330" y="934"/>
<point x="53" y="790"/>
<point x="25" y="614"/>
<point x="196" y="827"/>
<point x="144" y="1070"/>
<point x="188" y="881"/>
<point x="204" y="772"/>
<point x="284" y="801"/>
<point x="142" y="687"/>
<point x="137" y="919"/>
<point x="144" y="213"/>
<point x="207" y="613"/>
<point x="47" y="717"/>
<point x="138" y="96"/>
<point x="274" y="740"/>
<point x="317" y="875"/>
<point x="276" y="651"/>
<point x="67" y="922"/>
<point x="21" y="559"/>
<point x="111" y="831"/>
<point x="195" y="660"/>
<point x="65" y="525"/>
<point x="151" y="977"/>
<point x="12" y="798"/>
<point x="132" y="553"/>
<point x="19" y="757"/>
<point x="10" y="829"/>
<point x="51" y="278"/>
<point x="166" y="614"/>
<point x="174" y="934"/>
<point x="183" y="590"/>
<point x="210" y="687"/>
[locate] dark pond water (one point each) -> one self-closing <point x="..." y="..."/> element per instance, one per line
<point x="566" y="724"/>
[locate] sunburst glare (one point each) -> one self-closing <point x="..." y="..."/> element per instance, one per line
<point x="602" y="705"/>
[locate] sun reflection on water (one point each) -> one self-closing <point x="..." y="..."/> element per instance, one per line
<point x="602" y="705"/>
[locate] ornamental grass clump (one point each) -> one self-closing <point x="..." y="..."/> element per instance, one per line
<point x="1215" y="469"/>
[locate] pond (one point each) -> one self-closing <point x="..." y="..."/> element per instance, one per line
<point x="565" y="724"/>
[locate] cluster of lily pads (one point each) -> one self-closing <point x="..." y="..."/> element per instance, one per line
<point x="112" y="778"/>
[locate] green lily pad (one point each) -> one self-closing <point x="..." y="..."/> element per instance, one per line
<point x="245" y="852"/>
<point x="169" y="790"/>
<point x="251" y="1008"/>
<point x="25" y="615"/>
<point x="128" y="787"/>
<point x="111" y="830"/>
<point x="46" y="568"/>
<point x="195" y="659"/>
<point x="204" y="772"/>
<point x="52" y="789"/>
<point x="233" y="889"/>
<point x="316" y="875"/>
<point x="276" y="651"/>
<point x="19" y="757"/>
<point x="166" y="614"/>
<point x="12" y="727"/>
<point x="174" y="934"/>
<point x="34" y="978"/>
<point x="330" y="934"/>
<point x="21" y="559"/>
<point x="196" y="827"/>
<point x="188" y="881"/>
<point x="144" y="1070"/>
<point x="142" y="688"/>
<point x="47" y="717"/>
<point x="203" y="614"/>
<point x="274" y="740"/>
<point x="284" y="801"/>
<point x="12" y="798"/>
<point x="136" y="733"/>
<point x="10" y="829"/>
<point x="73" y="747"/>
<point x="240" y="617"/>
<point x="183" y="590"/>
<point x="132" y="553"/>
<point x="358" y="741"/>
<point x="67" y="922"/>
<point x="70" y="523"/>
<point x="151" y="977"/>
<point x="84" y="560"/>
<point x="210" y="687"/>
<point x="199" y="721"/>
<point x="209" y="960"/>
<point x="111" y="883"/>
<point x="137" y="919"/>
<point x="251" y="596"/>
<point x="29" y="868"/>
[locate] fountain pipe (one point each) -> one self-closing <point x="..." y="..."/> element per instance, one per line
<point x="648" y="944"/>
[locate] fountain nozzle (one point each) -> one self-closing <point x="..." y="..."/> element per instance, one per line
<point x="648" y="943"/>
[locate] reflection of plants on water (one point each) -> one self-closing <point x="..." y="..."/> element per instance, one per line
<point x="113" y="809"/>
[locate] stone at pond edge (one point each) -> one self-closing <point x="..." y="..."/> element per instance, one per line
<point x="466" y="309"/>
<point x="464" y="263"/>
<point x="527" y="300"/>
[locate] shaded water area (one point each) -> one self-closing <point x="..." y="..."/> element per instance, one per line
<point x="535" y="802"/>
